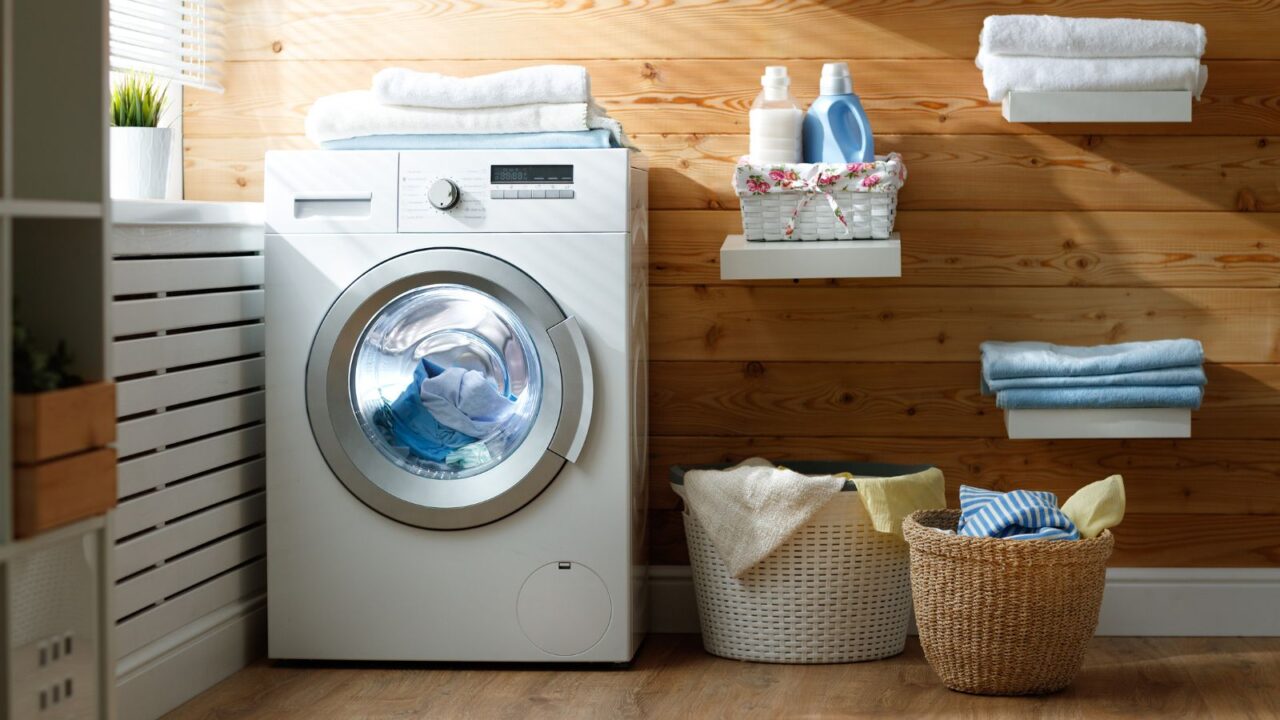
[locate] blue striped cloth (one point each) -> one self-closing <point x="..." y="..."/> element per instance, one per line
<point x="1016" y="515"/>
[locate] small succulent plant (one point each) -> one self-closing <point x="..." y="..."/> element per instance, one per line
<point x="37" y="371"/>
<point x="137" y="101"/>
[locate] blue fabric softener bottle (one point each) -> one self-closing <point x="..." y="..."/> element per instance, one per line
<point x="836" y="129"/>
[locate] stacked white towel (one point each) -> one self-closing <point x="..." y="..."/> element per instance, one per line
<point x="532" y="100"/>
<point x="1043" y="53"/>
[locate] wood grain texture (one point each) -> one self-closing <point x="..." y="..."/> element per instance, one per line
<point x="1161" y="540"/>
<point x="1076" y="233"/>
<point x="1185" y="477"/>
<point x="947" y="324"/>
<point x="971" y="172"/>
<point x="672" y="676"/>
<point x="1007" y="172"/>
<point x="758" y="29"/>
<point x="1014" y="249"/>
<point x="59" y="492"/>
<point x="713" y="96"/>
<point x="898" y="399"/>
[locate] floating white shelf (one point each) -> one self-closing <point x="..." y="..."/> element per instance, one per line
<point x="1098" y="423"/>
<point x="1146" y="106"/>
<point x="774" y="260"/>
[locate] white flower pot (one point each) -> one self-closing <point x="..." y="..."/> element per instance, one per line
<point x="140" y="162"/>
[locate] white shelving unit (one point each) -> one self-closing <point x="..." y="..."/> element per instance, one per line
<point x="1091" y="423"/>
<point x="1097" y="107"/>
<point x="55" y="588"/>
<point x="741" y="259"/>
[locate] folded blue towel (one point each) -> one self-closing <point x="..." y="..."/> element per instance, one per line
<point x="1002" y="360"/>
<point x="1190" y="375"/>
<point x="599" y="138"/>
<point x="1117" y="396"/>
<point x="1016" y="515"/>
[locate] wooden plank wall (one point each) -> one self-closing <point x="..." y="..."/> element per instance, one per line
<point x="1068" y="233"/>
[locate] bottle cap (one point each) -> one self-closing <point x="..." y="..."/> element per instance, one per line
<point x="836" y="79"/>
<point x="775" y="76"/>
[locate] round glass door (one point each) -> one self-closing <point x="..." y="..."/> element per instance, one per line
<point x="435" y="388"/>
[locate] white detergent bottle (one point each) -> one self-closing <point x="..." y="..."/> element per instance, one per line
<point x="776" y="120"/>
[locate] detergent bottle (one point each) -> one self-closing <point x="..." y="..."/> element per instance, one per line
<point x="836" y="129"/>
<point x="776" y="120"/>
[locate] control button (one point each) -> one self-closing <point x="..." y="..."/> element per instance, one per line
<point x="495" y="194"/>
<point x="524" y="195"/>
<point x="566" y="193"/>
<point x="509" y="194"/>
<point x="538" y="194"/>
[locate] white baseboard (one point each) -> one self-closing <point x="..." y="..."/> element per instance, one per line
<point x="161" y="676"/>
<point x="1168" y="602"/>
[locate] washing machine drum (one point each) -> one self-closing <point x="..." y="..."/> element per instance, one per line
<point x="446" y="388"/>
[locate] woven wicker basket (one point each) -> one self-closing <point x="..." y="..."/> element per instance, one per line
<point x="836" y="591"/>
<point x="1003" y="617"/>
<point x="869" y="216"/>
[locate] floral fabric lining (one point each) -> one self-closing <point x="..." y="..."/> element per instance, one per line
<point x="885" y="175"/>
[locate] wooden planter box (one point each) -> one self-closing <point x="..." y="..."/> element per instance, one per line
<point x="63" y="471"/>
<point x="61" y="422"/>
<point x="62" y="491"/>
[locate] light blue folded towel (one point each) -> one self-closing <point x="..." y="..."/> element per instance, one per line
<point x="598" y="138"/>
<point x="1016" y="515"/>
<point x="1190" y="375"/>
<point x="1118" y="396"/>
<point x="1003" y="360"/>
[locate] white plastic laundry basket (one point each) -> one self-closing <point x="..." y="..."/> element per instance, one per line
<point x="836" y="591"/>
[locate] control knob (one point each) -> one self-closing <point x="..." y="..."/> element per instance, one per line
<point x="443" y="194"/>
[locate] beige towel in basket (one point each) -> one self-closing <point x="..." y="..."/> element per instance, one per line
<point x="751" y="508"/>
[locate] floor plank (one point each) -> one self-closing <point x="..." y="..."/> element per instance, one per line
<point x="673" y="677"/>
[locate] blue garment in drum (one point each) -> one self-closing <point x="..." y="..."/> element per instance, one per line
<point x="411" y="424"/>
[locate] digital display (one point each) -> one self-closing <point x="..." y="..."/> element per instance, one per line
<point x="530" y="174"/>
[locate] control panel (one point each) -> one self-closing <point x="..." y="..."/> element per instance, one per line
<point x="514" y="191"/>
<point x="448" y="191"/>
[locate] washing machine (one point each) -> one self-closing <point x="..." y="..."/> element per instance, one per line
<point x="456" y="404"/>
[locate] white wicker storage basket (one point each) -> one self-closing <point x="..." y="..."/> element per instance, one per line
<point x="869" y="215"/>
<point x="836" y="591"/>
<point x="819" y="201"/>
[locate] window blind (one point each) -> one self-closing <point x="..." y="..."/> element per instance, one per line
<point x="175" y="40"/>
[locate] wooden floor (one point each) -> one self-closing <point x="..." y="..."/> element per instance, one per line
<point x="674" y="678"/>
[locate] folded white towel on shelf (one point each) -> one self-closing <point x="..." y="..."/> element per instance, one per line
<point x="1051" y="36"/>
<point x="534" y="85"/>
<point x="358" y="114"/>
<point x="751" y="508"/>
<point x="1002" y="74"/>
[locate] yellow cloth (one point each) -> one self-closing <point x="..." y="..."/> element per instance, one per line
<point x="1097" y="506"/>
<point x="889" y="500"/>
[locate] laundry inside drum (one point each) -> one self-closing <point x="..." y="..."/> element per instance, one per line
<point x="445" y="381"/>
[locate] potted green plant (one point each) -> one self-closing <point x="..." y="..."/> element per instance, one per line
<point x="139" y="146"/>
<point x="62" y="426"/>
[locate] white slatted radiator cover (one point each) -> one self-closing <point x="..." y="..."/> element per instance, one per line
<point x="187" y="318"/>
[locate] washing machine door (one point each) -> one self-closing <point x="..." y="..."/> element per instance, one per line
<point x="446" y="388"/>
